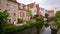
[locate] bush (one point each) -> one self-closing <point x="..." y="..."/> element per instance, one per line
<point x="20" y="20"/>
<point x="57" y="18"/>
<point x="19" y="28"/>
<point x="3" y="20"/>
<point x="58" y="22"/>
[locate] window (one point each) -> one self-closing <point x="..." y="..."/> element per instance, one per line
<point x="0" y="9"/>
<point x="14" y="14"/>
<point x="9" y="20"/>
<point x="0" y="1"/>
<point x="14" y="5"/>
<point x="8" y="12"/>
<point x="22" y="14"/>
<point x="21" y="6"/>
<point x="8" y="3"/>
<point x="27" y="7"/>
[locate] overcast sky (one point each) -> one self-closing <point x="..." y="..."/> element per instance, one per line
<point x="47" y="4"/>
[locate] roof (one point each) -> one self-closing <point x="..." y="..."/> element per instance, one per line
<point x="29" y="5"/>
<point x="42" y="9"/>
<point x="23" y="9"/>
<point x="13" y="1"/>
<point x="50" y="11"/>
<point x="38" y="8"/>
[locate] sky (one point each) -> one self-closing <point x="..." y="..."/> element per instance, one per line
<point x="47" y="4"/>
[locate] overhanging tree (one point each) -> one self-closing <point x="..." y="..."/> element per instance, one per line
<point x="3" y="20"/>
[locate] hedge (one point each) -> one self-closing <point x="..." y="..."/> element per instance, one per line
<point x="19" y="28"/>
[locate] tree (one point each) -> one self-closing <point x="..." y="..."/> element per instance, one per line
<point x="58" y="14"/>
<point x="57" y="18"/>
<point x="29" y="12"/>
<point x="46" y="15"/>
<point x="3" y="20"/>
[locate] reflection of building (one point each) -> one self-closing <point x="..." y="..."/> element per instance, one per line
<point x="12" y="7"/>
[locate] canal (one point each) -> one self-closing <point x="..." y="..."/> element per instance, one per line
<point x="45" y="30"/>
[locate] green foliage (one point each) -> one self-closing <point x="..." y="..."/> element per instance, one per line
<point x="3" y="20"/>
<point x="28" y="24"/>
<point x="46" y="15"/>
<point x="57" y="18"/>
<point x="58" y="14"/>
<point x="34" y="17"/>
<point x="25" y="26"/>
<point x="20" y="20"/>
<point x="29" y="12"/>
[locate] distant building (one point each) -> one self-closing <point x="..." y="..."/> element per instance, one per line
<point x="50" y="12"/>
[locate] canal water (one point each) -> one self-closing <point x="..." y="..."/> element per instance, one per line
<point x="45" y="30"/>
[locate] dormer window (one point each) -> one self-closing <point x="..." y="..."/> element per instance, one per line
<point x="21" y="6"/>
<point x="0" y="1"/>
<point x="26" y="7"/>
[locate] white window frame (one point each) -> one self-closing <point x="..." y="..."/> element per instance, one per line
<point x="22" y="14"/>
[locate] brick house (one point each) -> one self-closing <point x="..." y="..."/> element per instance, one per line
<point x="12" y="7"/>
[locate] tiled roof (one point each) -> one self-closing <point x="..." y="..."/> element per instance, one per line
<point x="13" y="1"/>
<point x="29" y="5"/>
<point x="23" y="8"/>
<point x="38" y="8"/>
<point x="50" y="11"/>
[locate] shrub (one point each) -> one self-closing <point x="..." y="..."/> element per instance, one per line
<point x="19" y="28"/>
<point x="58" y="22"/>
<point x="57" y="18"/>
<point x="3" y="20"/>
<point x="20" y="20"/>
